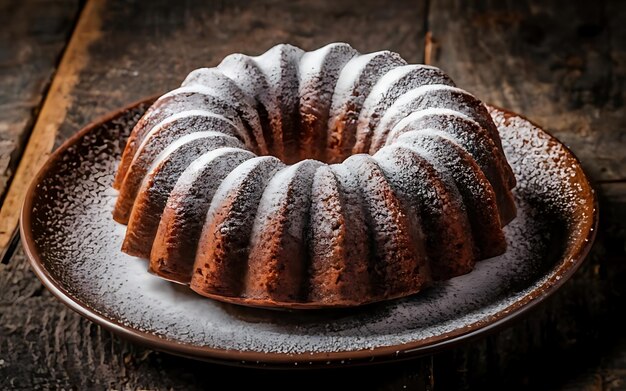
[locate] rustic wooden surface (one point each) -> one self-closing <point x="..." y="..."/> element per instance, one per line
<point x="561" y="64"/>
<point x="123" y="51"/>
<point x="32" y="38"/>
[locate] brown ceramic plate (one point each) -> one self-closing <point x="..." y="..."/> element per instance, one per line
<point x="74" y="247"/>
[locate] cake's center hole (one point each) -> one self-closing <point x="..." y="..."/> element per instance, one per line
<point x="303" y="143"/>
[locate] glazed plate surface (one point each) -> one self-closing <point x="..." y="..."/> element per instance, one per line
<point x="74" y="247"/>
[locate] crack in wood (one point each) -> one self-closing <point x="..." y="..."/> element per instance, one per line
<point x="55" y="106"/>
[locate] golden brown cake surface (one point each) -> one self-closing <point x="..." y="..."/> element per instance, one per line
<point x="314" y="179"/>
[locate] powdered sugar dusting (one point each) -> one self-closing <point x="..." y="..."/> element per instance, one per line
<point x="404" y="124"/>
<point x="193" y="171"/>
<point x="310" y="65"/>
<point x="183" y="115"/>
<point x="194" y="89"/>
<point x="428" y="96"/>
<point x="350" y="75"/>
<point x="387" y="90"/>
<point x="79" y="243"/>
<point x="186" y="139"/>
<point x="355" y="82"/>
<point x="276" y="194"/>
<point x="526" y="146"/>
<point x="233" y="181"/>
<point x="242" y="101"/>
<point x="383" y="85"/>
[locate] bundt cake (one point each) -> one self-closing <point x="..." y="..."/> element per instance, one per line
<point x="314" y="179"/>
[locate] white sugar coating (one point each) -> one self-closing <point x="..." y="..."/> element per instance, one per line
<point x="310" y="65"/>
<point x="404" y="124"/>
<point x="237" y="177"/>
<point x="467" y="133"/>
<point x="326" y="210"/>
<point x="349" y="76"/>
<point x="239" y="90"/>
<point x="398" y="108"/>
<point x="82" y="237"/>
<point x="525" y="145"/>
<point x="245" y="72"/>
<point x="355" y="81"/>
<point x="193" y="97"/>
<point x="256" y="79"/>
<point x="168" y="140"/>
<point x="215" y="96"/>
<point x="198" y="75"/>
<point x="319" y="72"/>
<point x="275" y="191"/>
<point x="426" y="149"/>
<point x="192" y="172"/>
<point x="243" y="102"/>
<point x="188" y="113"/>
<point x="279" y="64"/>
<point x="387" y="90"/>
<point x="214" y="79"/>
<point x="186" y="139"/>
<point x="178" y="116"/>
<point x="286" y="182"/>
<point x="389" y="79"/>
<point x="480" y="148"/>
<point x="211" y="81"/>
<point x="410" y="182"/>
<point x="353" y="87"/>
<point x="193" y="89"/>
<point x="427" y="142"/>
<point x="351" y="196"/>
<point x="381" y="88"/>
<point x="423" y="97"/>
<point x="191" y="196"/>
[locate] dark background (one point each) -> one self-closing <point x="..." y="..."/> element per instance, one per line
<point x="64" y="63"/>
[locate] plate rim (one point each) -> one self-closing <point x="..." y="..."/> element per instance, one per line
<point x="565" y="269"/>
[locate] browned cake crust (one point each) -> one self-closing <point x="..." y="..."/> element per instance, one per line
<point x="223" y="251"/>
<point x="339" y="268"/>
<point x="442" y="217"/>
<point x="176" y="241"/>
<point x="314" y="179"/>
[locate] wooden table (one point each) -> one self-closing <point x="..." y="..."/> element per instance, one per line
<point x="63" y="63"/>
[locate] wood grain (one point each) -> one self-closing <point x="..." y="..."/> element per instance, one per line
<point x="43" y="344"/>
<point x="32" y="39"/>
<point x="124" y="51"/>
<point x="561" y="65"/>
<point x="52" y="114"/>
<point x="163" y="44"/>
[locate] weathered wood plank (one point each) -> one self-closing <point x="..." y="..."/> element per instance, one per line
<point x="561" y="337"/>
<point x="119" y="53"/>
<point x="32" y="38"/>
<point x="125" y="66"/>
<point x="43" y="135"/>
<point x="562" y="65"/>
<point x="124" y="51"/>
